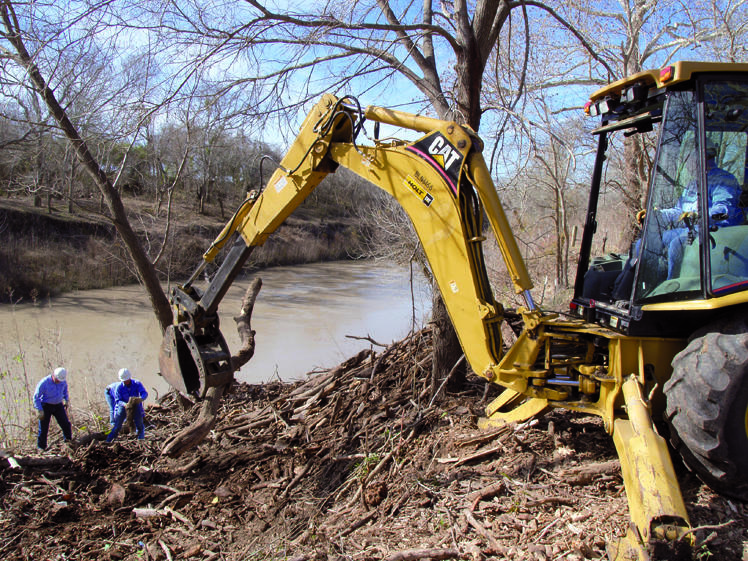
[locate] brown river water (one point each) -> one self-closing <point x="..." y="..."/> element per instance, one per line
<point x="302" y="316"/>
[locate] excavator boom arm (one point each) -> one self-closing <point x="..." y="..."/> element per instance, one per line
<point x="440" y="180"/>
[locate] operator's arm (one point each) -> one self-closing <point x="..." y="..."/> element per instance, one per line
<point x="687" y="202"/>
<point x="669" y="216"/>
<point x="724" y="195"/>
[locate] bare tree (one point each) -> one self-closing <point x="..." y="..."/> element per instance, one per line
<point x="13" y="34"/>
<point x="607" y="40"/>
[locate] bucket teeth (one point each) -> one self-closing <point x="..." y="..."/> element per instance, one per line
<point x="192" y="363"/>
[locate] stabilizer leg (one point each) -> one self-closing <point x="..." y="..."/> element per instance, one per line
<point x="660" y="527"/>
<point x="511" y="407"/>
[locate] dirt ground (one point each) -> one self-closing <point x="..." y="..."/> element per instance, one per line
<point x="353" y="463"/>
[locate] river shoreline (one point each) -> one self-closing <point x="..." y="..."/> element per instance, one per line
<point x="303" y="317"/>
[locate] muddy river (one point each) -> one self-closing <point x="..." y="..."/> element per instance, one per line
<point x="302" y="317"/>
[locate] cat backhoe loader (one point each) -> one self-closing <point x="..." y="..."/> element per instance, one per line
<point x="644" y="341"/>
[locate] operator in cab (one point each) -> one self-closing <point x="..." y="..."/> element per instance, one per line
<point x="678" y="224"/>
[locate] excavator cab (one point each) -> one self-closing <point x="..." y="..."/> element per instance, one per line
<point x="691" y="258"/>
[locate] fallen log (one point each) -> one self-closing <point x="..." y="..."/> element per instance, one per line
<point x="32" y="461"/>
<point x="585" y="474"/>
<point x="148" y="512"/>
<point x="196" y="432"/>
<point x="413" y="554"/>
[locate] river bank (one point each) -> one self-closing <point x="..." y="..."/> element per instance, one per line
<point x="47" y="251"/>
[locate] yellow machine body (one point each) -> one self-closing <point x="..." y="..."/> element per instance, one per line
<point x="442" y="182"/>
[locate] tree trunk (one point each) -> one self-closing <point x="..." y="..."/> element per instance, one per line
<point x="71" y="183"/>
<point x="447" y="349"/>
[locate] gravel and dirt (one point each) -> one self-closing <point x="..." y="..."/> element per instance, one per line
<point x="353" y="463"/>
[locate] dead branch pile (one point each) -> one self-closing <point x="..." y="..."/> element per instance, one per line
<point x="353" y="463"/>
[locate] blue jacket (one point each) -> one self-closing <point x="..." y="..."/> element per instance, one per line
<point x="49" y="392"/>
<point x="111" y="390"/>
<point x="123" y="393"/>
<point x="724" y="195"/>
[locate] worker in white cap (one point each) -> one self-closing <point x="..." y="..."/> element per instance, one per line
<point x="51" y="400"/>
<point x="129" y="390"/>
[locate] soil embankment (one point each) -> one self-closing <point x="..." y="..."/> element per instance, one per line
<point x="45" y="252"/>
<point x="352" y="463"/>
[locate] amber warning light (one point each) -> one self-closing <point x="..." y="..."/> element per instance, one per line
<point x="667" y="73"/>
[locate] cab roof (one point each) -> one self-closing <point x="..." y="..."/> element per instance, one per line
<point x="667" y="76"/>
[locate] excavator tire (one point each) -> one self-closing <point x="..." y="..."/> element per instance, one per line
<point x="707" y="407"/>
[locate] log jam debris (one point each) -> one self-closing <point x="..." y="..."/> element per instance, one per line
<point x="349" y="463"/>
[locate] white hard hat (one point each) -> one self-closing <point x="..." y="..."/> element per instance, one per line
<point x="124" y="374"/>
<point x="60" y="373"/>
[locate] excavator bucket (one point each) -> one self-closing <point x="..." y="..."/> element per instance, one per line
<point x="193" y="362"/>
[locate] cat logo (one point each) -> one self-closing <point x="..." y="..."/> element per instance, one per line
<point x="419" y="191"/>
<point x="442" y="156"/>
<point x="443" y="152"/>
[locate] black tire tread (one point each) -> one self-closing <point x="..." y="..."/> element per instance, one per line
<point x="708" y="376"/>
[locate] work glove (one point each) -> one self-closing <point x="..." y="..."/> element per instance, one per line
<point x="640" y="216"/>
<point x="40" y="414"/>
<point x="687" y="216"/>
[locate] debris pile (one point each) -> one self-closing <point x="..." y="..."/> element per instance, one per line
<point x="358" y="462"/>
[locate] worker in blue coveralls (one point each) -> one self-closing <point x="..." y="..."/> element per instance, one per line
<point x="51" y="400"/>
<point x="111" y="400"/>
<point x="679" y="222"/>
<point x="127" y="391"/>
<point x="724" y="196"/>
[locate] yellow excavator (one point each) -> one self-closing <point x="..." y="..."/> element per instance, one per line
<point x="658" y="335"/>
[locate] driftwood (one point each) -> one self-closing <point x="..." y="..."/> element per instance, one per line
<point x="130" y="408"/>
<point x="493" y="545"/>
<point x="414" y="554"/>
<point x="206" y="420"/>
<point x="196" y="433"/>
<point x="583" y="475"/>
<point x="244" y="327"/>
<point x="490" y="491"/>
<point x="16" y="462"/>
<point x="148" y="512"/>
